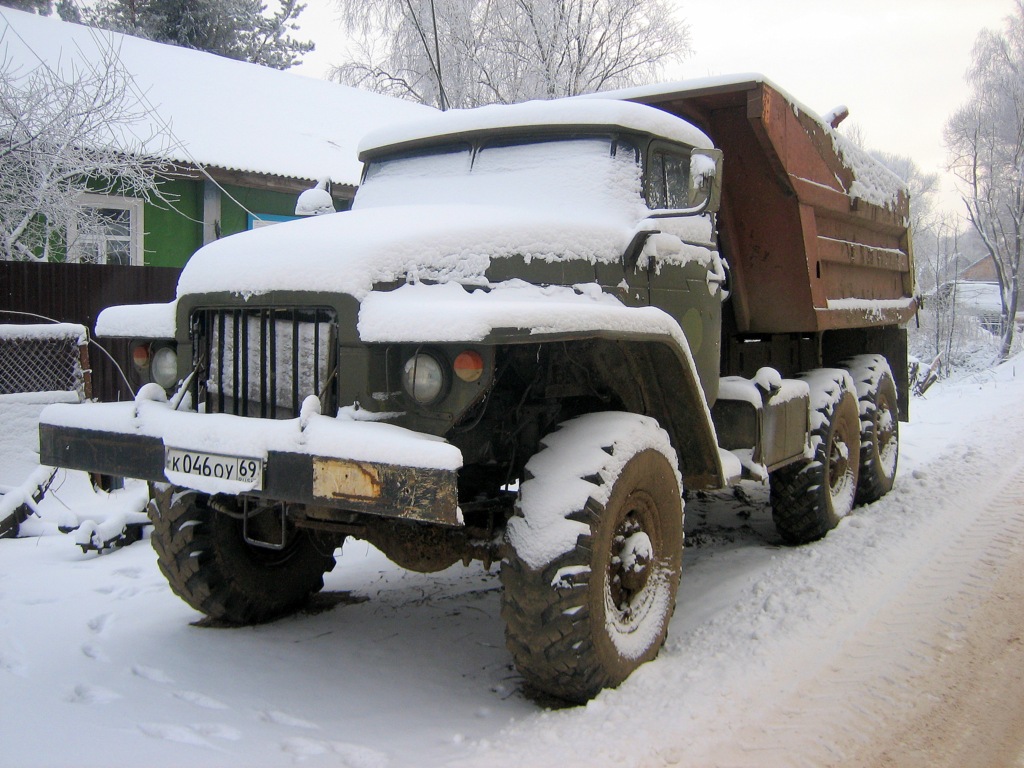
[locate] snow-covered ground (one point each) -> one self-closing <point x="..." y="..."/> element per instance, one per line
<point x="101" y="665"/>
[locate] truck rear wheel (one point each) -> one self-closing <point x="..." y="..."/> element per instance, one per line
<point x="809" y="498"/>
<point x="879" y="425"/>
<point x="211" y="567"/>
<point x="595" y="555"/>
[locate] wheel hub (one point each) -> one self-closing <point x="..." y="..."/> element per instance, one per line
<point x="838" y="462"/>
<point x="631" y="562"/>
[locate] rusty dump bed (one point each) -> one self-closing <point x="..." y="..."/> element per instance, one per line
<point x="814" y="229"/>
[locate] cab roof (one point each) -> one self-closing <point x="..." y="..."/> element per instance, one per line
<point x="584" y="115"/>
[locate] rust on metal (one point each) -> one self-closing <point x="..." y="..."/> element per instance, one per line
<point x="341" y="479"/>
<point x="794" y="234"/>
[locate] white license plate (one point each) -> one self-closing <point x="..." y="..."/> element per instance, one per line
<point x="242" y="469"/>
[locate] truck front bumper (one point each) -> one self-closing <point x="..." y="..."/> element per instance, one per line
<point x="343" y="464"/>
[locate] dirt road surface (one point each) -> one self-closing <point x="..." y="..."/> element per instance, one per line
<point x="933" y="677"/>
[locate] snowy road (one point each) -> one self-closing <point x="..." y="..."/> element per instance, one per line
<point x="884" y="644"/>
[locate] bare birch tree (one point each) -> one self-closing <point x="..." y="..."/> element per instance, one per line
<point x="986" y="141"/>
<point x="64" y="130"/>
<point x="464" y="53"/>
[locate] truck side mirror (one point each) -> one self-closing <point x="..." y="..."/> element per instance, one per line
<point x="705" y="174"/>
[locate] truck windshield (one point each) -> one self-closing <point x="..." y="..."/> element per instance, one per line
<point x="590" y="174"/>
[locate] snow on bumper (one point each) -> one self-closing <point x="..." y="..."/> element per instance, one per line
<point x="341" y="463"/>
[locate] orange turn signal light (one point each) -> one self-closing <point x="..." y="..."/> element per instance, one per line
<point x="469" y="366"/>
<point x="140" y="355"/>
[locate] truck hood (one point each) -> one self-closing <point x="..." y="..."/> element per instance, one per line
<point x="353" y="251"/>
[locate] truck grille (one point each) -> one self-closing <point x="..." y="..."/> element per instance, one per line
<point x="265" y="361"/>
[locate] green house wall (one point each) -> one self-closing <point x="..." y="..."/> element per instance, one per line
<point x="170" y="236"/>
<point x="174" y="232"/>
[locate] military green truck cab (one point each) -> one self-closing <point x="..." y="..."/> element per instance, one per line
<point x="530" y="333"/>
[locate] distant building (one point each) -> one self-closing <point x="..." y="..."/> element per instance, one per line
<point x="981" y="271"/>
<point x="977" y="294"/>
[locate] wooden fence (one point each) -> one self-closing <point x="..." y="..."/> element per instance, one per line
<point x="77" y="293"/>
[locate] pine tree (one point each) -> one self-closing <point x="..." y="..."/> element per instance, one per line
<point x="237" y="29"/>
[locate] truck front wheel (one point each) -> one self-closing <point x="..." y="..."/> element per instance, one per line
<point x="595" y="555"/>
<point x="210" y="566"/>
<point x="809" y="498"/>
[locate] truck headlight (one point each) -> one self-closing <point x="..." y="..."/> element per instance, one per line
<point x="164" y="367"/>
<point x="423" y="378"/>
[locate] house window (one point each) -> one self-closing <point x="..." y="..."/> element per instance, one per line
<point x="255" y="221"/>
<point x="106" y="230"/>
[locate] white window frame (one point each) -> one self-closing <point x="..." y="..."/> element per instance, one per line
<point x="133" y="205"/>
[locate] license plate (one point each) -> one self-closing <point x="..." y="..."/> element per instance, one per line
<point x="242" y="469"/>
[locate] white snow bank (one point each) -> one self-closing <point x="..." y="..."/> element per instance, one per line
<point x="597" y="113"/>
<point x="144" y="321"/>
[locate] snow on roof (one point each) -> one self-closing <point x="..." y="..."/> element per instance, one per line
<point x="223" y="113"/>
<point x="981" y="298"/>
<point x="569" y="112"/>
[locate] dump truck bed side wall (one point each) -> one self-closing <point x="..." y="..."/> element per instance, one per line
<point x="809" y="253"/>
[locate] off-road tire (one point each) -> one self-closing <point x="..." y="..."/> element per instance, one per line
<point x="879" y="425"/>
<point x="210" y="566"/>
<point x="566" y="626"/>
<point x="809" y="498"/>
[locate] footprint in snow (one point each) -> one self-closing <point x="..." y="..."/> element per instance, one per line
<point x="196" y="735"/>
<point x="94" y="652"/>
<point x="92" y="694"/>
<point x="98" y="623"/>
<point x="151" y="673"/>
<point x="200" y="700"/>
<point x="13" y="665"/>
<point x="282" y="718"/>
<point x="128" y="573"/>
<point x="352" y="755"/>
<point x="218" y="731"/>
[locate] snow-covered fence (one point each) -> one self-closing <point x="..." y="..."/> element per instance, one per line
<point x="44" y="358"/>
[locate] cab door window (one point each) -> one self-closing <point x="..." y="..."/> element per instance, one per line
<point x="668" y="179"/>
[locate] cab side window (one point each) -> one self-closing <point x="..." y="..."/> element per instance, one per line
<point x="668" y="179"/>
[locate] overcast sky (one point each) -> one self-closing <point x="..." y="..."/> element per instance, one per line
<point x="897" y="64"/>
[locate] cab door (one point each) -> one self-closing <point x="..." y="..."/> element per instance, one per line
<point x="684" y="268"/>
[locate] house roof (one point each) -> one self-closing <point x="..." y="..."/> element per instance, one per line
<point x="222" y="113"/>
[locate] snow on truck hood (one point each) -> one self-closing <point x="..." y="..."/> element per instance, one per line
<point x="350" y="252"/>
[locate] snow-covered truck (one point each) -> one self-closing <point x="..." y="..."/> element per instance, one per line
<point x="538" y="324"/>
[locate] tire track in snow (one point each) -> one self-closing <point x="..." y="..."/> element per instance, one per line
<point x="876" y="676"/>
